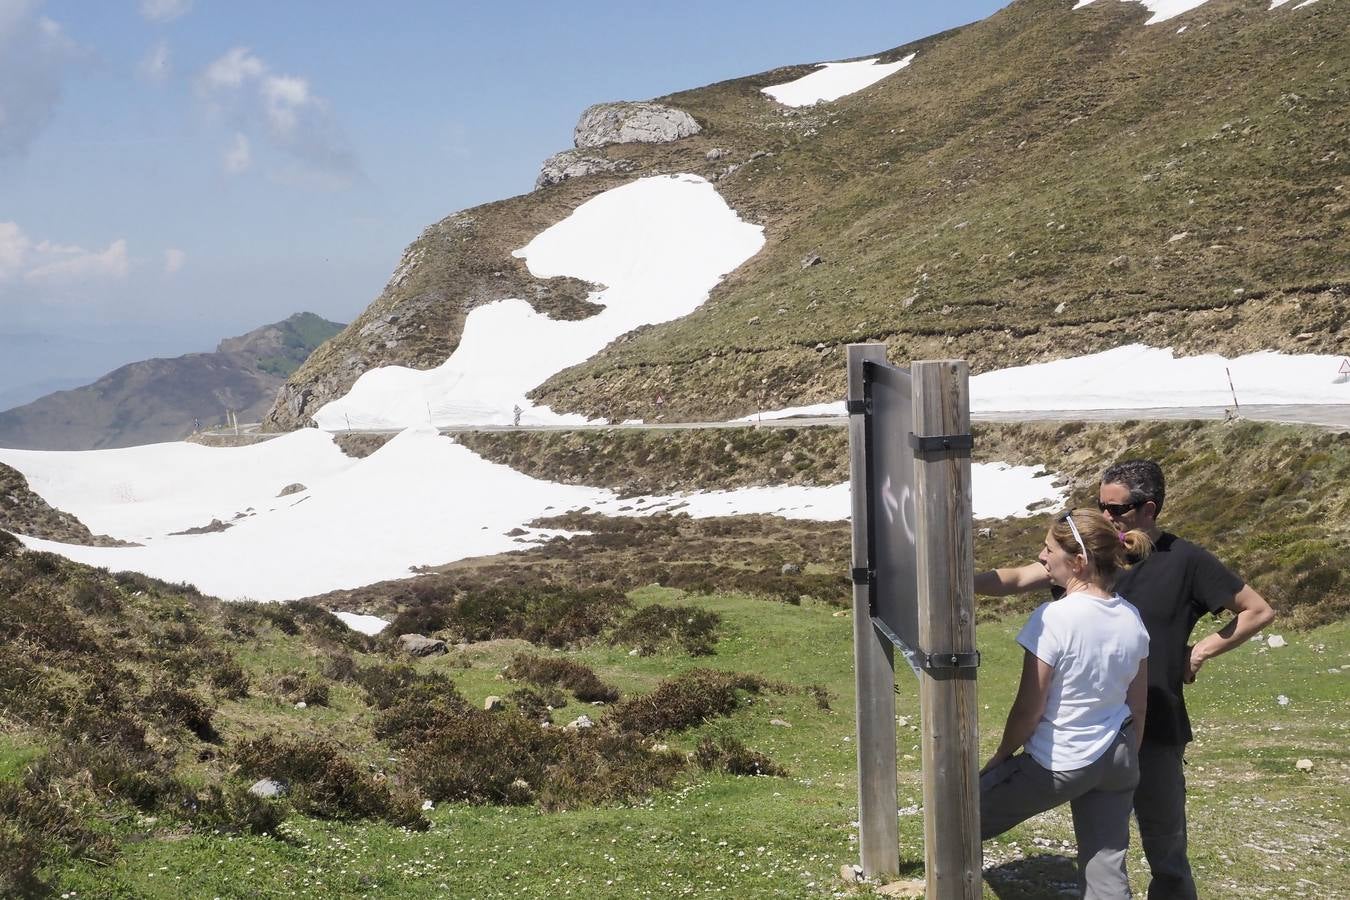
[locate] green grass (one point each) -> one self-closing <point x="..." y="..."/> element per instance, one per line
<point x="716" y="835"/>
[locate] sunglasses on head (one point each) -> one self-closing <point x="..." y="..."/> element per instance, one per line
<point x="1119" y="509"/>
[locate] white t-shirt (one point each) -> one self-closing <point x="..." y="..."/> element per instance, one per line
<point x="1095" y="647"/>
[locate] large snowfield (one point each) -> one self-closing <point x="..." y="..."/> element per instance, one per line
<point x="655" y="247"/>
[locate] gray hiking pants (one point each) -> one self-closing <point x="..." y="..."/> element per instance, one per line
<point x="1160" y="807"/>
<point x="1100" y="795"/>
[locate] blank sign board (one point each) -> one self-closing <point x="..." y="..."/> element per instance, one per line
<point x="891" y="518"/>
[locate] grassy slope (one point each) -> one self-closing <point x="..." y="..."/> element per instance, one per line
<point x="764" y="837"/>
<point x="1037" y="158"/>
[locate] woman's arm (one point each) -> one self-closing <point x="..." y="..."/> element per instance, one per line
<point x="1025" y="715"/>
<point x="1136" y="698"/>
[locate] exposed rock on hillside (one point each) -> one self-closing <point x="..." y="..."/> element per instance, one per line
<point x="159" y="399"/>
<point x="575" y="164"/>
<point x="626" y="123"/>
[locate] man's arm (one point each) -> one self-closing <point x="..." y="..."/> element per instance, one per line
<point x="1253" y="614"/>
<point x="1002" y="582"/>
<point x="1032" y="695"/>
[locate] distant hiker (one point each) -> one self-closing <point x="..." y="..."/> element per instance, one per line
<point x="1080" y="705"/>
<point x="515" y="415"/>
<point x="1176" y="585"/>
<point x="196" y="425"/>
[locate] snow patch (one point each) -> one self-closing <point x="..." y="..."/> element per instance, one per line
<point x="1162" y="9"/>
<point x="657" y="245"/>
<point x="1138" y="377"/>
<point x="833" y="80"/>
<point x="371" y="625"/>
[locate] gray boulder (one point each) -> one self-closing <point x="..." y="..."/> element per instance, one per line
<point x="627" y="123"/>
<point x="421" y="645"/>
<point x="269" y="789"/>
<point x="574" y="164"/>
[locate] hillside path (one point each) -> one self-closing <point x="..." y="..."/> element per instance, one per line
<point x="1334" y="417"/>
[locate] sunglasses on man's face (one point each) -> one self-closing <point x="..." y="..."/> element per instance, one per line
<point x="1118" y="509"/>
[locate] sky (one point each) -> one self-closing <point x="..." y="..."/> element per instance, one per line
<point x="173" y="172"/>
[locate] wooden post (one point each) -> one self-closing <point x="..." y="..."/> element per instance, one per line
<point x="947" y="697"/>
<point x="878" y="825"/>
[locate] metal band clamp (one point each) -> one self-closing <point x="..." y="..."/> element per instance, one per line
<point x="931" y="445"/>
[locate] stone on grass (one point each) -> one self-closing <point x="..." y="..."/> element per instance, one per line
<point x="781" y="723"/>
<point x="427" y="806"/>
<point x="1276" y="641"/>
<point x="421" y="645"/>
<point x="579" y="722"/>
<point x="851" y="873"/>
<point x="791" y="569"/>
<point x="268" y="789"/>
<point x="1304" y="765"/>
<point x="493" y="703"/>
<point x="912" y="888"/>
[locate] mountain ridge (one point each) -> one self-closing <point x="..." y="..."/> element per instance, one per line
<point x="158" y="399"/>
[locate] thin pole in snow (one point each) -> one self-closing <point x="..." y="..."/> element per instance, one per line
<point x="1236" y="409"/>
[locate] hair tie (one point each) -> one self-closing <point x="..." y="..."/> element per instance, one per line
<point x="1120" y="536"/>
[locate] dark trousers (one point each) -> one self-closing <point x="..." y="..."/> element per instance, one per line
<point x="1099" y="795"/>
<point x="1160" y="807"/>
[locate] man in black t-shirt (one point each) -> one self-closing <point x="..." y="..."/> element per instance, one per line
<point x="1172" y="588"/>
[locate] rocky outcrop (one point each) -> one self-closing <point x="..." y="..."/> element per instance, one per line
<point x="574" y="164"/>
<point x="627" y="123"/>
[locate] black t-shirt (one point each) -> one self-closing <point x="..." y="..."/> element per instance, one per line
<point x="1172" y="588"/>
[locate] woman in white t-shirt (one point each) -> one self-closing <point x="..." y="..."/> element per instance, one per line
<point x="1079" y="712"/>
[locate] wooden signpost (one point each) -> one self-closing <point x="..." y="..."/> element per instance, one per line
<point x="913" y="571"/>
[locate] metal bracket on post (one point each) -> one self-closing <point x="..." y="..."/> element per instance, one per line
<point x="956" y="661"/>
<point x="858" y="407"/>
<point x="934" y="444"/>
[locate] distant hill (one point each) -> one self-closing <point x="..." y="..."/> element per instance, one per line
<point x="1045" y="182"/>
<point x="158" y="399"/>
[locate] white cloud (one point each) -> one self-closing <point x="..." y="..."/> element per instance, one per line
<point x="239" y="156"/>
<point x="164" y="10"/>
<point x="14" y="248"/>
<point x="155" y="65"/>
<point x="35" y="55"/>
<point x="232" y="70"/>
<point x="66" y="264"/>
<point x="173" y="260"/>
<point x="284" y="112"/>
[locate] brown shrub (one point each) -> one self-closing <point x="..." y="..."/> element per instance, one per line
<point x="655" y="627"/>
<point x="476" y="756"/>
<point x="685" y="701"/>
<point x="598" y="765"/>
<point x="184" y="708"/>
<point x="303" y="687"/>
<point x="547" y="614"/>
<point x="548" y="671"/>
<point x="726" y="754"/>
<point x="325" y="784"/>
<point x="537" y="704"/>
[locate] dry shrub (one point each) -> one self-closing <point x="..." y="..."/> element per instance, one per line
<point x="340" y="666"/>
<point x="34" y="821"/>
<point x="537" y="704"/>
<point x="303" y="687"/>
<point x="326" y="784"/>
<point x="184" y="708"/>
<point x="655" y="627"/>
<point x="597" y="765"/>
<point x="685" y="701"/>
<point x="476" y="756"/>
<point x="576" y="677"/>
<point x="729" y="755"/>
<point x="236" y="808"/>
<point x="547" y="614"/>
